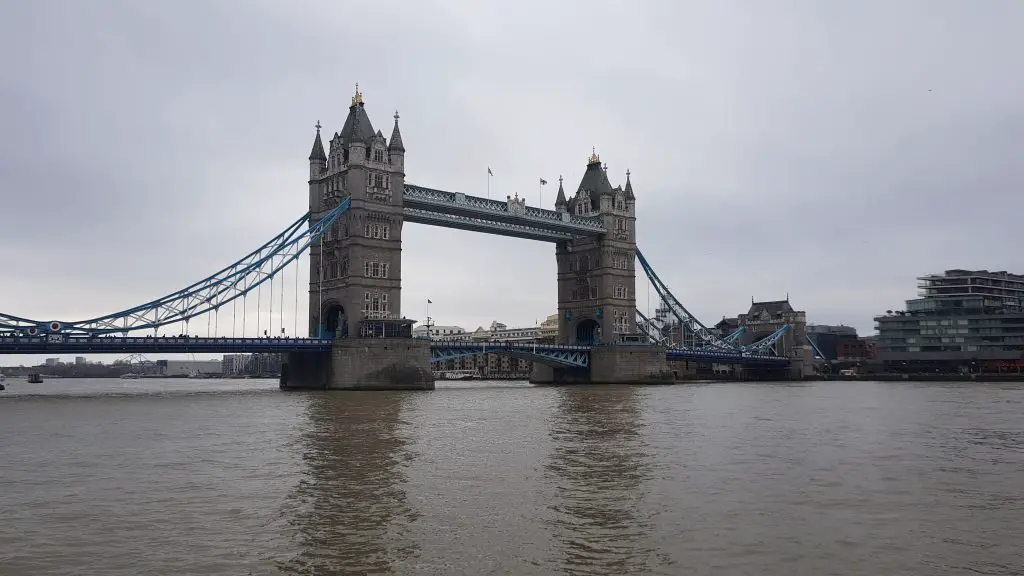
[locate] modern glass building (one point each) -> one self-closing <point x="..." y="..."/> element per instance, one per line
<point x="962" y="320"/>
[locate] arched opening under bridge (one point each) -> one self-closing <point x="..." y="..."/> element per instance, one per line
<point x="588" y="333"/>
<point x="335" y="321"/>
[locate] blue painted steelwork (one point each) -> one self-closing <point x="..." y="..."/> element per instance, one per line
<point x="508" y="218"/>
<point x="724" y="356"/>
<point x="76" y="343"/>
<point x="735" y="335"/>
<point x="648" y="328"/>
<point x="818" y="355"/>
<point x="707" y="338"/>
<point x="202" y="297"/>
<point x="572" y="356"/>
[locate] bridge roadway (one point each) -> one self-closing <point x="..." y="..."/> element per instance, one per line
<point x="574" y="356"/>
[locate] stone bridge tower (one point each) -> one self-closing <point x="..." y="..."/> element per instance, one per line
<point x="355" y="276"/>
<point x="355" y="286"/>
<point x="597" y="275"/>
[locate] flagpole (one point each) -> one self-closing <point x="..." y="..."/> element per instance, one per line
<point x="488" y="182"/>
<point x="540" y="195"/>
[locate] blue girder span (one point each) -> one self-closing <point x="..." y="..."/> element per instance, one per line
<point x="81" y="343"/>
<point x="703" y="334"/>
<point x="735" y="335"/>
<point x="204" y="296"/>
<point x="474" y="208"/>
<point x="572" y="356"/>
<point x="649" y="329"/>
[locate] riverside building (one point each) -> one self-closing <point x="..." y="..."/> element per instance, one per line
<point x="962" y="321"/>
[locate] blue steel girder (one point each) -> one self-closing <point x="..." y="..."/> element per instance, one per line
<point x="570" y="356"/>
<point x="723" y="356"/>
<point x="82" y="344"/>
<point x="208" y="295"/>
<point x="474" y="208"/>
<point x="444" y="220"/>
<point x="707" y="337"/>
<point x="648" y="328"/>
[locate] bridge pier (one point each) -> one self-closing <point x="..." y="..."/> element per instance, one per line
<point x="611" y="365"/>
<point x="362" y="364"/>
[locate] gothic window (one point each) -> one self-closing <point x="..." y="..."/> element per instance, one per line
<point x="378" y="155"/>
<point x="332" y="269"/>
<point x="593" y="292"/>
<point x="374" y="268"/>
<point x="344" y="266"/>
<point x="621" y="322"/>
<point x="367" y="153"/>
<point x="375" y="305"/>
<point x="620" y="225"/>
<point x="329" y="235"/>
<point x="621" y="292"/>
<point x="378" y="180"/>
<point x="580" y="209"/>
<point x="620" y="204"/>
<point x="377" y="230"/>
<point x="344" y="156"/>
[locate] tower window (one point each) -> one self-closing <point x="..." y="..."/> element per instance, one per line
<point x="375" y="305"/>
<point x="367" y="153"/>
<point x="378" y="180"/>
<point x="344" y="156"/>
<point x="332" y="269"/>
<point x="620" y="225"/>
<point x="377" y="230"/>
<point x="621" y="322"/>
<point x="621" y="292"/>
<point x="378" y="155"/>
<point x="374" y="268"/>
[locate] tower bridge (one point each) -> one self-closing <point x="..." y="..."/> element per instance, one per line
<point x="359" y="202"/>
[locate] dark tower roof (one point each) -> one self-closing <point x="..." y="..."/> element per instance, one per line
<point x="357" y="126"/>
<point x="317" y="153"/>
<point x="629" y="188"/>
<point x="595" y="180"/>
<point x="560" y="199"/>
<point x="396" y="145"/>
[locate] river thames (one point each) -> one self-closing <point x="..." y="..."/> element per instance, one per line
<point x="233" y="477"/>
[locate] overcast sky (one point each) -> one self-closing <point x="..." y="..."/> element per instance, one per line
<point x="829" y="150"/>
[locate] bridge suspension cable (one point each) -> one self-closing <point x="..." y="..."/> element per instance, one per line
<point x="696" y="328"/>
<point x="228" y="284"/>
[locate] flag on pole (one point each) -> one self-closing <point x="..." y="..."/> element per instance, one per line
<point x="429" y="301"/>
<point x="489" y="173"/>
<point x="543" y="182"/>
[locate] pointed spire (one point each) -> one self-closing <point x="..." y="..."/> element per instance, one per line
<point x="560" y="199"/>
<point x="357" y="99"/>
<point x="395" y="145"/>
<point x="629" y="188"/>
<point x="317" y="153"/>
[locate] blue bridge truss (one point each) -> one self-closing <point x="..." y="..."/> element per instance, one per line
<point x="570" y="356"/>
<point x="120" y="332"/>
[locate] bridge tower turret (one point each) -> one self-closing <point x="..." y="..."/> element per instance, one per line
<point x="596" y="276"/>
<point x="355" y="288"/>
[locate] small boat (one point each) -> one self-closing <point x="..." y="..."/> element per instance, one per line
<point x="35" y="378"/>
<point x="129" y="376"/>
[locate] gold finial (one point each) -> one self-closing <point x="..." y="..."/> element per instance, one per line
<point x="358" y="98"/>
<point x="594" y="158"/>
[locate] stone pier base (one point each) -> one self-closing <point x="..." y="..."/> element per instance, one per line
<point x="362" y="364"/>
<point x="611" y="365"/>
